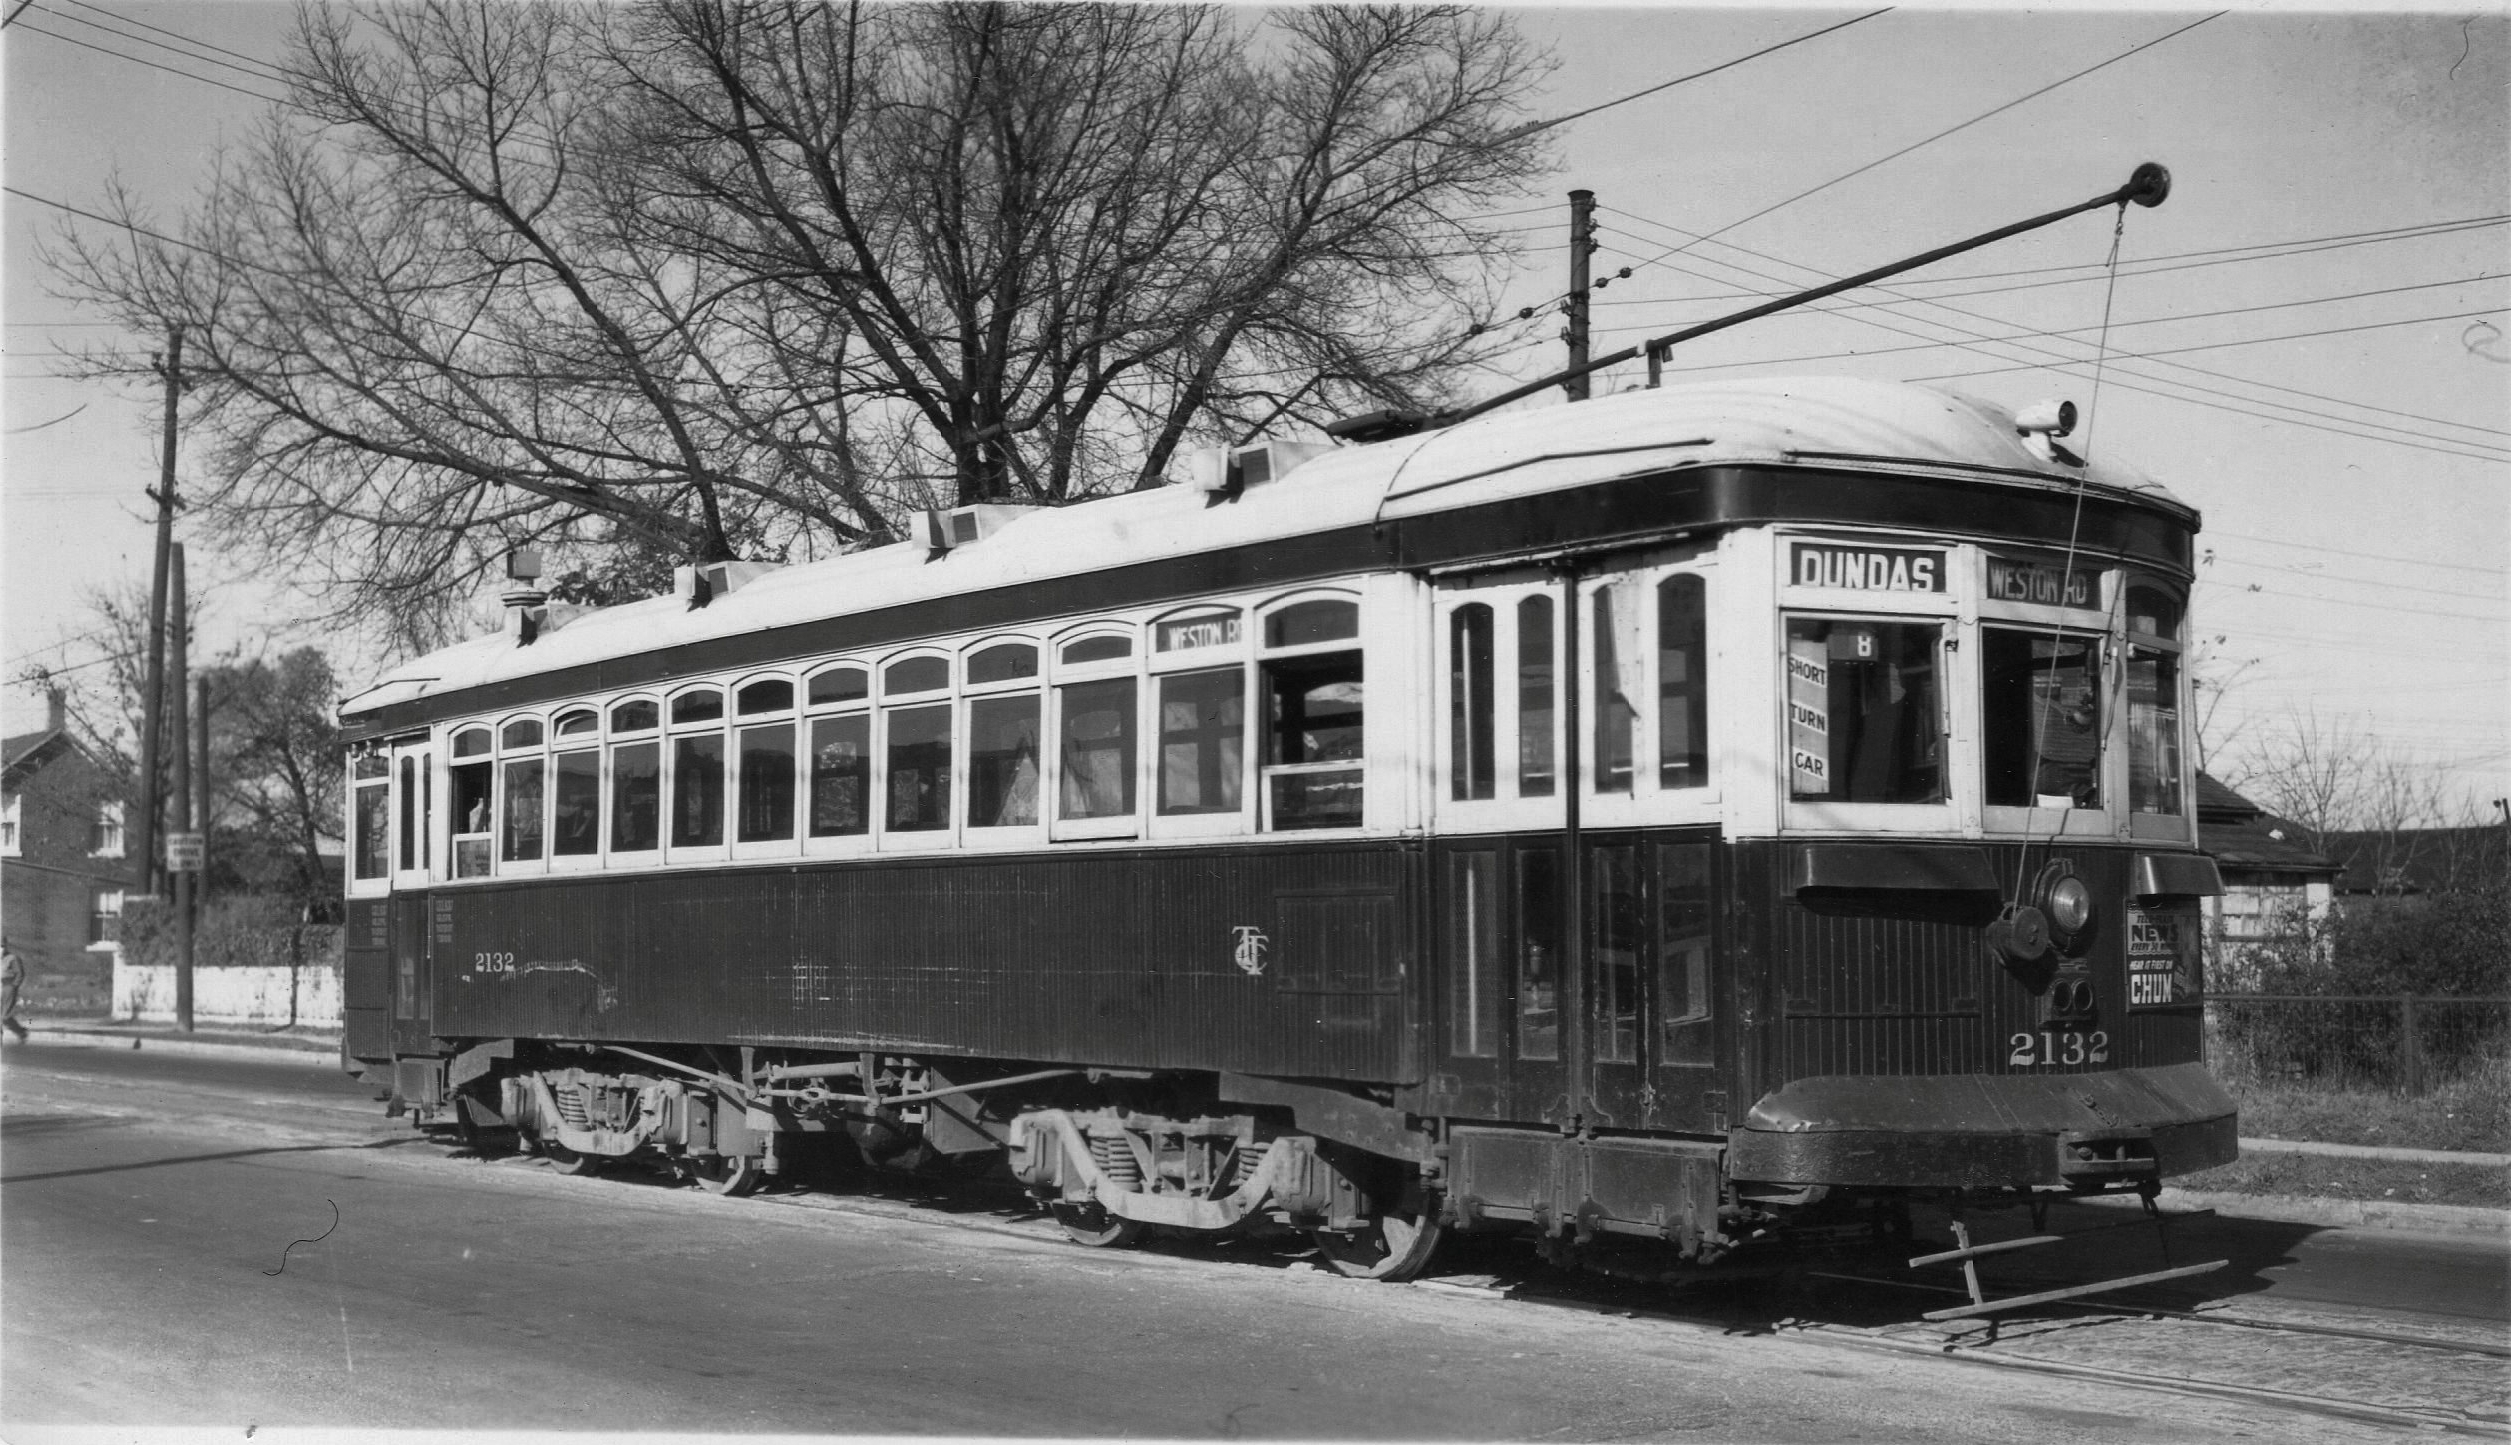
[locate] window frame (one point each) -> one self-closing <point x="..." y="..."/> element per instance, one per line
<point x="1059" y="675"/>
<point x="1509" y="807"/>
<point x="595" y="742"/>
<point x="867" y="706"/>
<point x="671" y="734"/>
<point x="2098" y="621"/>
<point x="1255" y="736"/>
<point x="736" y="768"/>
<point x="2177" y="827"/>
<point x="886" y="705"/>
<point x="501" y="865"/>
<point x="1648" y="802"/>
<point x="1239" y="654"/>
<point x="972" y="835"/>
<point x="361" y="884"/>
<point x="613" y="739"/>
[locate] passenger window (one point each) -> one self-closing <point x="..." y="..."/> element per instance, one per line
<point x="1539" y="953"/>
<point x="839" y="684"/>
<point x="1865" y="715"/>
<point x="772" y="694"/>
<point x="1003" y="662"/>
<point x="524" y="802"/>
<point x="582" y="721"/>
<point x="2040" y="718"/>
<point x="412" y="833"/>
<point x="636" y="796"/>
<point x="635" y="716"/>
<point x="919" y="768"/>
<point x="1682" y="682"/>
<point x="1202" y="732"/>
<point x="2155" y="774"/>
<point x="767" y="780"/>
<point x="374" y="819"/>
<point x="841" y="775"/>
<point x="1473" y="952"/>
<point x="703" y="705"/>
<point x="1097" y="649"/>
<point x="915" y="674"/>
<point x="575" y="798"/>
<point x="1536" y="747"/>
<point x="474" y="783"/>
<point x="1470" y="704"/>
<point x="1312" y="718"/>
<point x="697" y="790"/>
<point x="1613" y="909"/>
<point x="523" y="732"/>
<point x="1097" y="767"/>
<point x="1620" y="681"/>
<point x="1683" y="952"/>
<point x="1003" y="758"/>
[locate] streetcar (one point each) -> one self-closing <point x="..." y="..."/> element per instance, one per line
<point x="1667" y="821"/>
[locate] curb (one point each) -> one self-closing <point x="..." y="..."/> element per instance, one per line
<point x="2375" y="1151"/>
<point x="2457" y="1221"/>
<point x="266" y="1048"/>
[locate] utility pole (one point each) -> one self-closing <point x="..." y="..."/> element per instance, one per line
<point x="1582" y="241"/>
<point x="180" y="616"/>
<point x="152" y="706"/>
<point x="200" y="783"/>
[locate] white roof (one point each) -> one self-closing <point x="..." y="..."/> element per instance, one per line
<point x="1811" y="421"/>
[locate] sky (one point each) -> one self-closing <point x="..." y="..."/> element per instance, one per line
<point x="2310" y="341"/>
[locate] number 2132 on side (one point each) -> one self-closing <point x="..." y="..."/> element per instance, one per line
<point x="2046" y="1048"/>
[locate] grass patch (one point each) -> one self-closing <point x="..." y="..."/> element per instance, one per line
<point x="80" y="989"/>
<point x="2320" y="1177"/>
<point x="2472" y="1113"/>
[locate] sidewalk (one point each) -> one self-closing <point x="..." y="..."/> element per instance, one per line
<point x="313" y="1046"/>
<point x="322" y="1047"/>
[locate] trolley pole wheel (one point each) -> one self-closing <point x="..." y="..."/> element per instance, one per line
<point x="1391" y="1247"/>
<point x="1091" y="1224"/>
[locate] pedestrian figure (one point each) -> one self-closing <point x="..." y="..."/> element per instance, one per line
<point x="12" y="982"/>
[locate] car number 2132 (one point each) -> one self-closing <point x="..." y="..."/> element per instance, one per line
<point x="2056" y="1048"/>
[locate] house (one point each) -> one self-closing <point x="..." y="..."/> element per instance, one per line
<point x="2275" y="887"/>
<point x="62" y="869"/>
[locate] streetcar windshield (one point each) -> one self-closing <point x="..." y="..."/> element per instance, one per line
<point x="1865" y="712"/>
<point x="2040" y="717"/>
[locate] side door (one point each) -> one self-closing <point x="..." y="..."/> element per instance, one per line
<point x="1507" y="996"/>
<point x="1652" y="1046"/>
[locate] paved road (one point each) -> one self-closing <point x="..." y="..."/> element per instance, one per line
<point x="151" y="1200"/>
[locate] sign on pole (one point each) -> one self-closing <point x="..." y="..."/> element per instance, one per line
<point x="185" y="852"/>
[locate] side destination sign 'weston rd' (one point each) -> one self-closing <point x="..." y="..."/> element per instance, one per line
<point x="1866" y="569"/>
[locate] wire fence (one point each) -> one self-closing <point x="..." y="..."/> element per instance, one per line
<point x="2403" y="1043"/>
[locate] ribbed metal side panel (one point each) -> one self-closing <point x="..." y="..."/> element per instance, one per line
<point x="1859" y="993"/>
<point x="1258" y="960"/>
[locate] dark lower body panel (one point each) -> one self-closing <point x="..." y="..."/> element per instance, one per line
<point x="1987" y="1130"/>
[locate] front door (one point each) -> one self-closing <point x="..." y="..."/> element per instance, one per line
<point x="1508" y="993"/>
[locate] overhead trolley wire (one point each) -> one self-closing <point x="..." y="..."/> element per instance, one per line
<point x="1949" y="130"/>
<point x="2356" y="552"/>
<point x="1535" y="127"/>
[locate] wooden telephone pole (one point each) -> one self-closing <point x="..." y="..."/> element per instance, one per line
<point x="1582" y="242"/>
<point x="153" y="705"/>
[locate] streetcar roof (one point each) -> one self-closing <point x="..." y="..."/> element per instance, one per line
<point x="1827" y="423"/>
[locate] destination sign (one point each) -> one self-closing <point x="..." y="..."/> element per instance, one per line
<point x="1188" y="633"/>
<point x="2014" y="580"/>
<point x="1808" y="717"/>
<point x="1866" y="569"/>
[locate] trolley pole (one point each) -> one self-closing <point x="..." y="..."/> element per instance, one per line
<point x="152" y="705"/>
<point x="1582" y="242"/>
<point x="180" y="618"/>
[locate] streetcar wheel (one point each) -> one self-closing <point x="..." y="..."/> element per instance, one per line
<point x="567" y="1161"/>
<point x="1092" y="1225"/>
<point x="729" y="1174"/>
<point x="1389" y="1247"/>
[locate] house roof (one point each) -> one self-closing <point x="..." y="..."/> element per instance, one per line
<point x="26" y="751"/>
<point x="2243" y="836"/>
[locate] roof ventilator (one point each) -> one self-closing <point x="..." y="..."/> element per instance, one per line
<point x="703" y="583"/>
<point x="2041" y="424"/>
<point x="1228" y="471"/>
<point x="527" y="606"/>
<point x="940" y="531"/>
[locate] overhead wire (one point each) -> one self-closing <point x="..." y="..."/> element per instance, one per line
<point x="1535" y="127"/>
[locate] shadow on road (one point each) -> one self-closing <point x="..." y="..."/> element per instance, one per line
<point x="202" y="1159"/>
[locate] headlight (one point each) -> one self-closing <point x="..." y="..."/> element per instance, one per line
<point x="2070" y="905"/>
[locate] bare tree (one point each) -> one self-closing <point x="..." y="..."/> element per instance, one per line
<point x="2393" y="808"/>
<point x="695" y="280"/>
